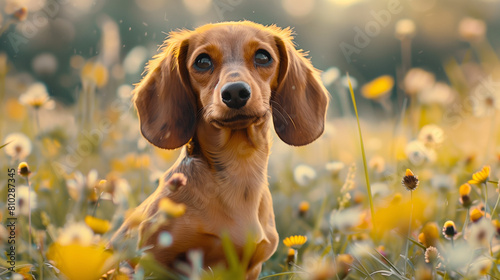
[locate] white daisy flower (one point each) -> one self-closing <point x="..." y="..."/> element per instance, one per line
<point x="37" y="97"/>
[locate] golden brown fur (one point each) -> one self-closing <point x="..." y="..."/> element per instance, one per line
<point x="226" y="150"/>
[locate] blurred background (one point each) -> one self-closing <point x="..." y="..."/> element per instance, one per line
<point x="124" y="34"/>
<point x="425" y="75"/>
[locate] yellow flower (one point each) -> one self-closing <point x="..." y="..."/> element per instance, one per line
<point x="99" y="226"/>
<point x="14" y="110"/>
<point x="96" y="73"/>
<point x="481" y="176"/>
<point x="80" y="262"/>
<point x="295" y="241"/>
<point x="303" y="208"/>
<point x="476" y="215"/>
<point x="171" y="208"/>
<point x="496" y="224"/>
<point x="429" y="235"/>
<point x="464" y="189"/>
<point x="449" y="230"/>
<point x="465" y="199"/>
<point x="410" y="181"/>
<point x="379" y="88"/>
<point x="23" y="169"/>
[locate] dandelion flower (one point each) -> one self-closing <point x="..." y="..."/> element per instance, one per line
<point x="295" y="241"/>
<point x="441" y="94"/>
<point x="418" y="80"/>
<point x="377" y="163"/>
<point x="481" y="233"/>
<point x="37" y="97"/>
<point x="345" y="82"/>
<point x="418" y="153"/>
<point x="431" y="135"/>
<point x="485" y="100"/>
<point x="330" y="76"/>
<point x="19" y="146"/>
<point x="99" y="226"/>
<point x="25" y="195"/>
<point x="471" y="29"/>
<point x="304" y="175"/>
<point x="334" y="167"/>
<point x="410" y="181"/>
<point x="432" y="256"/>
<point x="481" y="176"/>
<point x="379" y="88"/>
<point x="96" y="73"/>
<point x="464" y="192"/>
<point x="405" y="28"/>
<point x="79" y="262"/>
<point x="171" y="208"/>
<point x="476" y="215"/>
<point x="449" y="230"/>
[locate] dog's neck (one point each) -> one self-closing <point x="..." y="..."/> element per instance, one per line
<point x="237" y="158"/>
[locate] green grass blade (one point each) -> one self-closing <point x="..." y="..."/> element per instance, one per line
<point x="368" y="187"/>
<point x="4" y="145"/>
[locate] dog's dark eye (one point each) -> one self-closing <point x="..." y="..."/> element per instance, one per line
<point x="262" y="58"/>
<point x="203" y="62"/>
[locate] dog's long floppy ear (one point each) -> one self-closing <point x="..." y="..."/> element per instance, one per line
<point x="164" y="100"/>
<point x="300" y="101"/>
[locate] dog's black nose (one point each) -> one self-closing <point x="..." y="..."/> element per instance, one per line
<point x="235" y="94"/>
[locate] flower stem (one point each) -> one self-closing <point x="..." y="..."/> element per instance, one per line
<point x="466" y="222"/>
<point x="409" y="232"/>
<point x="495" y="208"/>
<point x="29" y="216"/>
<point x="484" y="188"/>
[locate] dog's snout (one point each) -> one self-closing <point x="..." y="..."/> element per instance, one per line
<point x="235" y="94"/>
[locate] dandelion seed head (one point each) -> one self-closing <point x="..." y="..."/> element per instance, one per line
<point x="19" y="146"/>
<point x="330" y="76"/>
<point x="418" y="80"/>
<point x="304" y="175"/>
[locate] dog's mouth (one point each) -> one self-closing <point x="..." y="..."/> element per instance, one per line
<point x="237" y="121"/>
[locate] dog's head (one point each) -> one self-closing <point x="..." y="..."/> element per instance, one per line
<point x="230" y="75"/>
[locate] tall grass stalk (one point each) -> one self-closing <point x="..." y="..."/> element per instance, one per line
<point x="368" y="187"/>
<point x="409" y="232"/>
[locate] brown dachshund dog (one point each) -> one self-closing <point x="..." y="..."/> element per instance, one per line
<point x="215" y="91"/>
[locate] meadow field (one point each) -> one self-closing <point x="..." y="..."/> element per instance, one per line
<point x="403" y="184"/>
